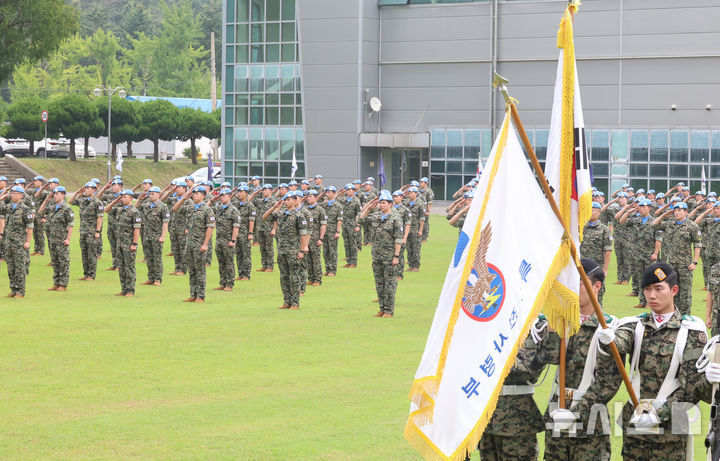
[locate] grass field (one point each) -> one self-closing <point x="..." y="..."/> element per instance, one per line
<point x="86" y="375"/>
<point x="74" y="174"/>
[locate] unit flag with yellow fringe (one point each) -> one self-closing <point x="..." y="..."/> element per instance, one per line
<point x="502" y="270"/>
<point x="567" y="170"/>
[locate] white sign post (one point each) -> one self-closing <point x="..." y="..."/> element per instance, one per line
<point x="44" y="116"/>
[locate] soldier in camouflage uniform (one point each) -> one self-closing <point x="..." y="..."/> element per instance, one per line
<point x="334" y="213"/>
<point x="622" y="242"/>
<point x="227" y="225"/>
<point x="365" y="195"/>
<point x="428" y="196"/>
<point x="597" y="243"/>
<point x="177" y="226"/>
<point x="317" y="228"/>
<point x="60" y="222"/>
<point x="350" y="227"/>
<point x="387" y="233"/>
<point x="712" y="302"/>
<point x="709" y="224"/>
<point x="16" y="225"/>
<point x="679" y="237"/>
<point x="265" y="235"/>
<point x="129" y="222"/>
<point x="512" y="431"/>
<point x="39" y="193"/>
<point x="646" y="242"/>
<point x="39" y="196"/>
<point x="247" y="219"/>
<point x="406" y="217"/>
<point x="318" y="186"/>
<point x="658" y="337"/>
<point x="416" y="205"/>
<point x="30" y="202"/>
<point x="112" y="219"/>
<point x="200" y="225"/>
<point x="156" y="217"/>
<point x="591" y="379"/>
<point x="293" y="239"/>
<point x="92" y="212"/>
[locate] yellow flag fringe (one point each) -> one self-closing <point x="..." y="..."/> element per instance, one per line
<point x="412" y="432"/>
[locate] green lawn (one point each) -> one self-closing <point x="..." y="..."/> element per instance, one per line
<point x="85" y="375"/>
<point x="74" y="174"/>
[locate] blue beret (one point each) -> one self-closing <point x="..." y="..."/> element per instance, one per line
<point x="95" y="180"/>
<point x="414" y="183"/>
<point x="331" y="189"/>
<point x="660" y="195"/>
<point x="89" y="184"/>
<point x="38" y="178"/>
<point x="385" y="196"/>
<point x="267" y="186"/>
<point x="201" y="189"/>
<point x="651" y="191"/>
<point x="55" y="180"/>
<point x="19" y="181"/>
<point x="244" y="188"/>
<point x="349" y="186"/>
<point x="254" y="178"/>
<point x="357" y="181"/>
<point x="596" y="205"/>
<point x="147" y="181"/>
<point x="311" y="192"/>
<point x="282" y="184"/>
<point x="3" y="178"/>
<point x="17" y="189"/>
<point x="127" y="192"/>
<point x="292" y="183"/>
<point x="224" y="191"/>
<point x="397" y="192"/>
<point x="412" y="189"/>
<point x="424" y="179"/>
<point x="681" y="205"/>
<point x="318" y="176"/>
<point x="59" y="189"/>
<point x="154" y="189"/>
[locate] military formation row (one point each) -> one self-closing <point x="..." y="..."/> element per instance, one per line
<point x="303" y="221"/>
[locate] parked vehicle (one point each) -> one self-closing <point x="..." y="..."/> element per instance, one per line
<point x="15" y="146"/>
<point x="56" y="148"/>
<point x="80" y="149"/>
<point x="202" y="175"/>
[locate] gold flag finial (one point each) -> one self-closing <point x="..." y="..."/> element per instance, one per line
<point x="500" y="83"/>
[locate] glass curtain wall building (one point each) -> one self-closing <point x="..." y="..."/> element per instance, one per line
<point x="263" y="121"/>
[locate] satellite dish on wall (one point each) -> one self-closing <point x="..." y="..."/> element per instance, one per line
<point x="375" y="104"/>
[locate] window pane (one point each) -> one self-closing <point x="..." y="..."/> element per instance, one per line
<point x="437" y="167"/>
<point x="285" y="169"/>
<point x="272" y="116"/>
<point x="437" y="144"/>
<point x="639" y="147"/>
<point x="273" y="53"/>
<point x="437" y="183"/>
<point x="288" y="31"/>
<point x="638" y="170"/>
<point x="257" y="10"/>
<point x="241" y="116"/>
<point x="272" y="150"/>
<point x="699" y="143"/>
<point x="273" y="32"/>
<point x="287" y="78"/>
<point x="256" y="116"/>
<point x="241" y="99"/>
<point x="241" y="170"/>
<point x="453" y="183"/>
<point x="298" y="116"/>
<point x="242" y="33"/>
<point x="256" y="99"/>
<point x="600" y="169"/>
<point x="273" y="10"/>
<point x="678" y="146"/>
<point x="455" y="142"/>
<point x="242" y="10"/>
<point x="271" y="99"/>
<point x="229" y="78"/>
<point x="486" y="143"/>
<point x="619" y="144"/>
<point x="287" y="99"/>
<point x="658" y="171"/>
<point x="241" y="144"/>
<point x="472" y="144"/>
<point x="288" y="52"/>
<point x="639" y="183"/>
<point x="230" y="54"/>
<point x="453" y="167"/>
<point x="229" y="119"/>
<point x="231" y="11"/>
<point x="271" y="169"/>
<point x="601" y="184"/>
<point x="288" y="10"/>
<point x="660" y="185"/>
<point x="286" y="116"/>
<point x="287" y="142"/>
<point x="241" y="53"/>
<point x="256" y="33"/>
<point x="679" y="171"/>
<point x="470" y="167"/>
<point x="256" y="53"/>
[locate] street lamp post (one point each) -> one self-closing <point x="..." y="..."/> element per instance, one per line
<point x="98" y="91"/>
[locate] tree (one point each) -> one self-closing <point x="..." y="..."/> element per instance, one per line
<point x="194" y="124"/>
<point x="158" y="120"/>
<point x="73" y="115"/>
<point x="32" y="30"/>
<point x="24" y="118"/>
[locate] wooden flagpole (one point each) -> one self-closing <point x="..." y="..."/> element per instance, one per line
<point x="573" y="251"/>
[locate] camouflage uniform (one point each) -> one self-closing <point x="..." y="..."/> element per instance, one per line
<point x="112" y="222"/>
<point x="678" y="241"/>
<point x="243" y="246"/>
<point x="387" y="231"/>
<point x="314" y="256"/>
<point x="227" y="218"/>
<point x="714" y="289"/>
<point x="427" y="196"/>
<point x="597" y="239"/>
<point x="607" y="217"/>
<point x="59" y="219"/>
<point x="142" y="200"/>
<point x="305" y="261"/>
<point x="351" y="209"/>
<point x="128" y="219"/>
<point x="512" y="431"/>
<point x="263" y="234"/>
<point x="155" y="214"/>
<point x="657" y="350"/>
<point x="18" y="217"/>
<point x="177" y="227"/>
<point x="644" y="236"/>
<point x="365" y="197"/>
<point x="91" y="208"/>
<point x="406" y="217"/>
<point x="200" y="218"/>
<point x="622" y="239"/>
<point x="334" y="213"/>
<point x="710" y="251"/>
<point x="414" y="242"/>
<point x="291" y="226"/>
<point x="39" y="229"/>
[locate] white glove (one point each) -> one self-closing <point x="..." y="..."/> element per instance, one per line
<point x="563" y="419"/>
<point x="645" y="420"/>
<point x="606" y="335"/>
<point x="712" y="373"/>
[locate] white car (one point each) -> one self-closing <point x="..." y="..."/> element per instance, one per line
<point x="202" y="175"/>
<point x="80" y="149"/>
<point x="56" y="148"/>
<point x="16" y="146"/>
